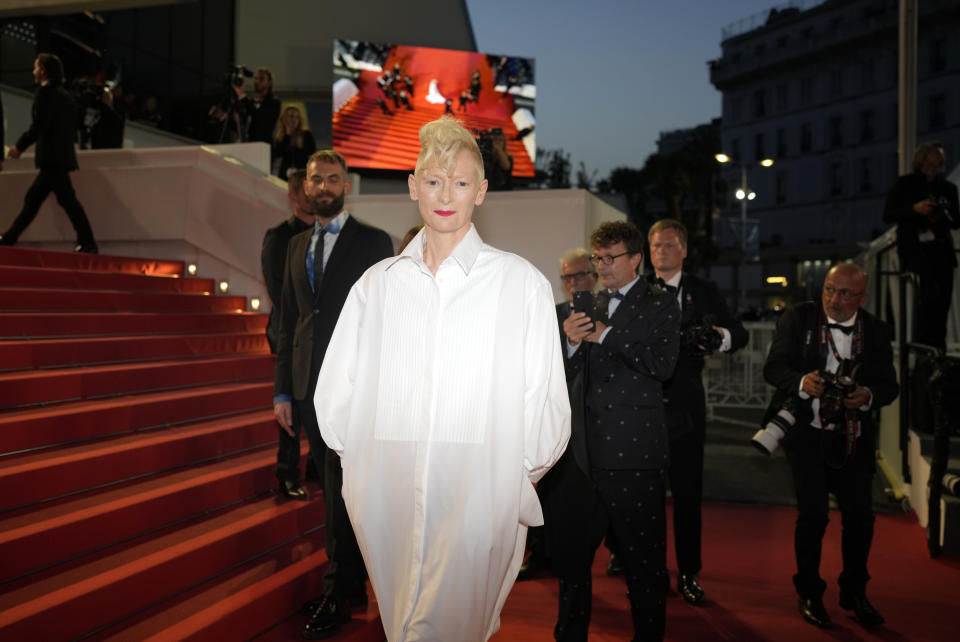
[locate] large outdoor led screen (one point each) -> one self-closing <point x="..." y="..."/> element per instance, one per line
<point x="383" y="94"/>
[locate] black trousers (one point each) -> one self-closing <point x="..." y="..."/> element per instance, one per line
<point x="934" y="295"/>
<point x="686" y="486"/>
<point x="633" y="504"/>
<point x="288" y="448"/>
<point x="852" y="484"/>
<point x="58" y="182"/>
<point x="346" y="574"/>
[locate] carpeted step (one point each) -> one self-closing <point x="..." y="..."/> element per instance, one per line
<point x="69" y="324"/>
<point x="30" y="257"/>
<point x="87" y="597"/>
<point x="30" y="277"/>
<point x="50" y="353"/>
<point x="38" y="427"/>
<point x="32" y="539"/>
<point x="35" y="476"/>
<point x="237" y="604"/>
<point x="94" y="382"/>
<point x="30" y="300"/>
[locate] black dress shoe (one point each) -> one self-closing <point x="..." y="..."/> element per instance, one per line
<point x="690" y="589"/>
<point x="615" y="565"/>
<point x="86" y="248"/>
<point x="293" y="490"/>
<point x="862" y="609"/>
<point x="813" y="611"/>
<point x="327" y="618"/>
<point x="358" y="602"/>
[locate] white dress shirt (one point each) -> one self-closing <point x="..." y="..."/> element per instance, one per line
<point x="445" y="397"/>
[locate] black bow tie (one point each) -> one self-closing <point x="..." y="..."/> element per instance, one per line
<point x="846" y="329"/>
<point x="616" y="294"/>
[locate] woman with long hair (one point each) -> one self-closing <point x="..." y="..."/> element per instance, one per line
<point x="292" y="143"/>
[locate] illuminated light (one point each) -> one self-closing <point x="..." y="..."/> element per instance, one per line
<point x="740" y="194"/>
<point x="224" y="286"/>
<point x="817" y="263"/>
<point x="192" y="269"/>
<point x="722" y="158"/>
<point x="751" y="196"/>
<point x="777" y="280"/>
<point x="255" y="303"/>
<point x="767" y="162"/>
<point x="806" y="263"/>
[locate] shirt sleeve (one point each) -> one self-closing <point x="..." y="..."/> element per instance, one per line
<point x="546" y="403"/>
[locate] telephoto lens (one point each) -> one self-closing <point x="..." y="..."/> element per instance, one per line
<point x="768" y="438"/>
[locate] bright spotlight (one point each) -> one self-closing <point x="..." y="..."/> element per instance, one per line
<point x="740" y="194"/>
<point x="767" y="162"/>
<point x="722" y="158"/>
<point x="255" y="303"/>
<point x="751" y="196"/>
<point x="192" y="269"/>
<point x="224" y="286"/>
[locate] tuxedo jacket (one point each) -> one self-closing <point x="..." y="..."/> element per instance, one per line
<point x="273" y="254"/>
<point x="307" y="317"/>
<point x="53" y="128"/>
<point x="908" y="190"/>
<point x="616" y="393"/>
<point x="684" y="397"/>
<point x="796" y="350"/>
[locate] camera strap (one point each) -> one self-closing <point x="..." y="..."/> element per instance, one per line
<point x="852" y="427"/>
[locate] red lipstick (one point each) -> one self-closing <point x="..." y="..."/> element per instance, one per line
<point x="444" y="212"/>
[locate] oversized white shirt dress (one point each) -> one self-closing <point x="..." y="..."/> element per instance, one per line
<point x="445" y="398"/>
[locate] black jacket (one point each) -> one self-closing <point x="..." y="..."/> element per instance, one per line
<point x="273" y="254"/>
<point x="53" y="129"/>
<point x="796" y="351"/>
<point x="683" y="393"/>
<point x="619" y="384"/>
<point x="911" y="189"/>
<point x="308" y="318"/>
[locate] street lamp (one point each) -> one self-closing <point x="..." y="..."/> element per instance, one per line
<point x="743" y="194"/>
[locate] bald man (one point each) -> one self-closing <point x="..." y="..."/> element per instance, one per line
<point x="832" y="445"/>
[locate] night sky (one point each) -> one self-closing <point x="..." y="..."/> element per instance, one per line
<point x="613" y="74"/>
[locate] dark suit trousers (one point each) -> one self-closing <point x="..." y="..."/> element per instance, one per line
<point x="633" y="504"/>
<point x="58" y="182"/>
<point x="852" y="484"/>
<point x="934" y="295"/>
<point x="288" y="448"/>
<point x="346" y="574"/>
<point x="686" y="486"/>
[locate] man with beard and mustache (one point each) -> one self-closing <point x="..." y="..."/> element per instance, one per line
<point x="322" y="264"/>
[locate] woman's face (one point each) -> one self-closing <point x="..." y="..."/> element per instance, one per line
<point x="291" y="118"/>
<point x="446" y="200"/>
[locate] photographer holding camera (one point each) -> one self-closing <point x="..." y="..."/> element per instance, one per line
<point x="497" y="161"/>
<point x="832" y="364"/>
<point x="706" y="325"/>
<point x="924" y="206"/>
<point x="248" y="119"/>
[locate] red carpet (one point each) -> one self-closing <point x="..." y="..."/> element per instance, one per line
<point x="748" y="563"/>
<point x="137" y="455"/>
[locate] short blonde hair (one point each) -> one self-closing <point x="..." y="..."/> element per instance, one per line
<point x="441" y="142"/>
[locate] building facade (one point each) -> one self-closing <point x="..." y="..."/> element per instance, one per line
<point x="815" y="89"/>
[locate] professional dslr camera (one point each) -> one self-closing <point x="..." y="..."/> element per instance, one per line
<point x="235" y="76"/>
<point x="700" y="337"/>
<point x="836" y="386"/>
<point x="485" y="140"/>
<point x="941" y="210"/>
<point x="768" y="438"/>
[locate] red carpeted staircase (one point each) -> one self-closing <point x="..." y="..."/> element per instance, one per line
<point x="137" y="454"/>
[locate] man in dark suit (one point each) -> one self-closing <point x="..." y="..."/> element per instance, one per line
<point x="683" y="395"/>
<point x="272" y="259"/>
<point x="54" y="130"/>
<point x="925" y="207"/>
<point x="832" y="446"/>
<point x="612" y="473"/>
<point x="322" y="265"/>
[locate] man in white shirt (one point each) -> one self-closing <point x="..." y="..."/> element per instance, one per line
<point x="832" y="446"/>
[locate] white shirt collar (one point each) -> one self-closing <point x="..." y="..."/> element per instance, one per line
<point x="465" y="253"/>
<point x="333" y="226"/>
<point x="849" y="322"/>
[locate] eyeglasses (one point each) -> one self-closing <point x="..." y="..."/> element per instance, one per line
<point x="575" y="276"/>
<point x="607" y="259"/>
<point x="843" y="295"/>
